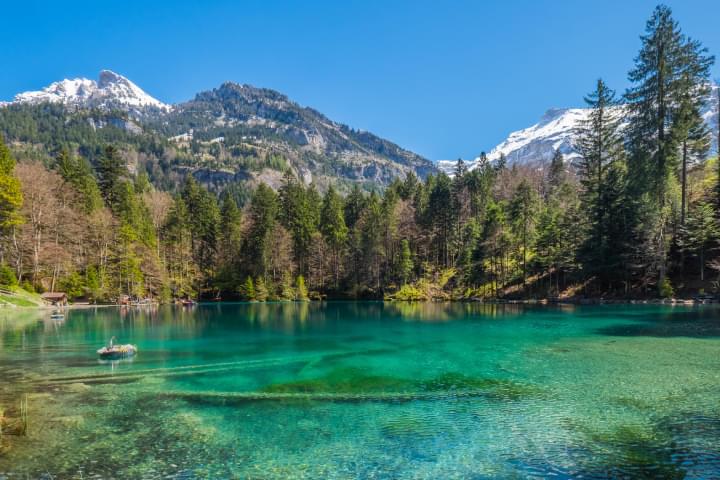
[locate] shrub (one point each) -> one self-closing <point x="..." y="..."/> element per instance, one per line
<point x="247" y="290"/>
<point x="409" y="293"/>
<point x="28" y="286"/>
<point x="73" y="285"/>
<point x="665" y="289"/>
<point x="7" y="276"/>
<point x="261" y="290"/>
<point x="302" y="292"/>
<point x="286" y="289"/>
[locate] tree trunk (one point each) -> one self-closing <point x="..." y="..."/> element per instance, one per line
<point x="683" y="179"/>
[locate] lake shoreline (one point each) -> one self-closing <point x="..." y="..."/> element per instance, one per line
<point x="530" y="301"/>
<point x="497" y="301"/>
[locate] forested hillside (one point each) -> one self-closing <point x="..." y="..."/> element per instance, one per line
<point x="635" y="216"/>
<point x="232" y="137"/>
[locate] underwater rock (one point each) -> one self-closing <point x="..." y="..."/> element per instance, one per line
<point x="70" y="421"/>
<point x="76" y="388"/>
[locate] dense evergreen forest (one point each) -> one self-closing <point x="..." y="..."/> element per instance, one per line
<point x="637" y="216"/>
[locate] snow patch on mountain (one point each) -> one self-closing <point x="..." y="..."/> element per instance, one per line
<point x="111" y="90"/>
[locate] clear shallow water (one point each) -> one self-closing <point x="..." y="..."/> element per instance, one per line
<point x="365" y="390"/>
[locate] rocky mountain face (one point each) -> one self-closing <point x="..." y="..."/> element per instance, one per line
<point x="237" y="133"/>
<point x="555" y="131"/>
<point x="241" y="119"/>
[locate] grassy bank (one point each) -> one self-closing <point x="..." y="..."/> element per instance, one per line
<point x="18" y="297"/>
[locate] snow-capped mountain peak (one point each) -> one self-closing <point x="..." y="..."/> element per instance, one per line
<point x="556" y="130"/>
<point x="538" y="143"/>
<point x="111" y="90"/>
<point x="64" y="91"/>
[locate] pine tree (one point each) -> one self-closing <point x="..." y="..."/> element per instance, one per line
<point x="700" y="231"/>
<point x="501" y="163"/>
<point x="247" y="290"/>
<point x="460" y="169"/>
<point x="110" y="169"/>
<point x="261" y="290"/>
<point x="229" y="243"/>
<point x="287" y="292"/>
<point x="441" y="218"/>
<point x="689" y="129"/>
<point x="179" y="254"/>
<point x="355" y="203"/>
<point x="619" y="211"/>
<point x="599" y="143"/>
<point x="556" y="172"/>
<point x="263" y="213"/>
<point x="717" y="158"/>
<point x="300" y="214"/>
<point x="230" y="230"/>
<point x="665" y="67"/>
<point x="78" y="172"/>
<point x="523" y="207"/>
<point x="10" y="190"/>
<point x="372" y="254"/>
<point x="694" y="138"/>
<point x="405" y="266"/>
<point x="333" y="228"/>
<point x="409" y="186"/>
<point x="549" y="242"/>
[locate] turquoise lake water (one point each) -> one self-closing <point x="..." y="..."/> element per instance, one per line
<point x="364" y="390"/>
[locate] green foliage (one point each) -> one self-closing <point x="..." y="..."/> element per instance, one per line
<point x="10" y="193"/>
<point x="700" y="231"/>
<point x="27" y="286"/>
<point x="409" y="293"/>
<point x="287" y="292"/>
<point x="73" y="285"/>
<point x="7" y="276"/>
<point x="332" y="219"/>
<point x="301" y="289"/>
<point x="110" y="170"/>
<point x="299" y="213"/>
<point x="405" y="266"/>
<point x="669" y="79"/>
<point x="602" y="175"/>
<point x="665" y="289"/>
<point x="247" y="290"/>
<point x="263" y="213"/>
<point x="78" y="172"/>
<point x="261" y="290"/>
<point x="203" y="220"/>
<point x="92" y="282"/>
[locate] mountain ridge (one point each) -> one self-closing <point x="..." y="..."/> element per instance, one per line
<point x="219" y="132"/>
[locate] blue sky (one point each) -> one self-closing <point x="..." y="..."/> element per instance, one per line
<point x="445" y="79"/>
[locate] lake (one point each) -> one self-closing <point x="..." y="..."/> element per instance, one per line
<point x="364" y="390"/>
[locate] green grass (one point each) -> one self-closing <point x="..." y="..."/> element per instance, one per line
<point x="17" y="301"/>
<point x="20" y="298"/>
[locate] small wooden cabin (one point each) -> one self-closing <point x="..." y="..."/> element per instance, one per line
<point x="59" y="299"/>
